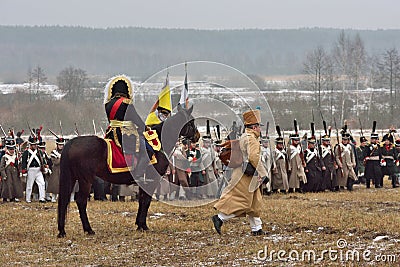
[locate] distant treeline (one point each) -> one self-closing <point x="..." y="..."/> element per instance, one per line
<point x="140" y="52"/>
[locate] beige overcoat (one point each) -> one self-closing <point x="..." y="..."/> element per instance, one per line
<point x="242" y="195"/>
<point x="347" y="160"/>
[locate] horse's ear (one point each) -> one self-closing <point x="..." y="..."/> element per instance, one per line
<point x="190" y="110"/>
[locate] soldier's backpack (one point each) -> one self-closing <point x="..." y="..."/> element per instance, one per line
<point x="231" y="154"/>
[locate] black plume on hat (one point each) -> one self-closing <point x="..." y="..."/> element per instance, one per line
<point x="208" y="130"/>
<point x="218" y="132"/>
<point x="324" y="123"/>
<point x="278" y="130"/>
<point x="312" y="130"/>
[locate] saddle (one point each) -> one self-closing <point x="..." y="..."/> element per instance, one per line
<point x="118" y="162"/>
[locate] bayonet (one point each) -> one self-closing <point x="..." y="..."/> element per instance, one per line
<point x="53" y="133"/>
<point x="61" y="131"/>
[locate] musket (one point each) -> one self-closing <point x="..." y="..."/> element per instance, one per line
<point x="4" y="133"/>
<point x="283" y="137"/>
<point x="361" y="128"/>
<point x="322" y="116"/>
<point x="102" y="131"/>
<point x="301" y="154"/>
<point x="94" y="128"/>
<point x="53" y="133"/>
<point x="269" y="144"/>
<point x="338" y="145"/>
<point x="30" y="130"/>
<point x="76" y="129"/>
<point x="278" y="130"/>
<point x="61" y="131"/>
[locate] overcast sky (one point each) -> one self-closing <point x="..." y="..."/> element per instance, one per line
<point x="204" y="14"/>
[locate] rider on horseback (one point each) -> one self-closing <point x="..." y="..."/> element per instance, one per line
<point x="126" y="127"/>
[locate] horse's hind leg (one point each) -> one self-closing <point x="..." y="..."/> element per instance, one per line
<point x="62" y="211"/>
<point x="81" y="201"/>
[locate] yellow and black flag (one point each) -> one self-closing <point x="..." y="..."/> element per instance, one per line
<point x="162" y="107"/>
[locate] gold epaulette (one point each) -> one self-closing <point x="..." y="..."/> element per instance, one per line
<point x="152" y="138"/>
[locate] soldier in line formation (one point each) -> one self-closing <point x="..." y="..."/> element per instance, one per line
<point x="26" y="166"/>
<point x="320" y="167"/>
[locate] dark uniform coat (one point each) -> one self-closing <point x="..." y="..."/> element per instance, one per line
<point x="313" y="170"/>
<point x="329" y="180"/>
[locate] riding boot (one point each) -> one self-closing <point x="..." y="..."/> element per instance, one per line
<point x="141" y="165"/>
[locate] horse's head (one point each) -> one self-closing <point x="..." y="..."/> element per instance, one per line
<point x="189" y="129"/>
<point x="181" y="124"/>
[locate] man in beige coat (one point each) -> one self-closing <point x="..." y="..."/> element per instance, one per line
<point x="297" y="176"/>
<point x="242" y="196"/>
<point x="346" y="161"/>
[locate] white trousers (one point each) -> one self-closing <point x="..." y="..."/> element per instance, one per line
<point x="255" y="222"/>
<point x="34" y="175"/>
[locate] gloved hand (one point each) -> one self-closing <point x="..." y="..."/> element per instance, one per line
<point x="265" y="180"/>
<point x="383" y="163"/>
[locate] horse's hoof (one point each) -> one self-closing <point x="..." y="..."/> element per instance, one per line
<point x="90" y="232"/>
<point x="61" y="235"/>
<point x="142" y="228"/>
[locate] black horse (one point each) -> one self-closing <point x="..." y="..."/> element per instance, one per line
<point x="85" y="157"/>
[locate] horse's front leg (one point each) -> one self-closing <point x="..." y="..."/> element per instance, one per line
<point x="81" y="201"/>
<point x="144" y="202"/>
<point x="144" y="198"/>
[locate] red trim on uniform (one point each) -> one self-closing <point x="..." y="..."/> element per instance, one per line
<point x="115" y="107"/>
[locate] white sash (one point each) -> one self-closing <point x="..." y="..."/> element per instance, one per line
<point x="294" y="151"/>
<point x="310" y="155"/>
<point x="33" y="155"/>
<point x="345" y="149"/>
<point x="10" y="158"/>
<point x="279" y="154"/>
<point x="325" y="151"/>
<point x="55" y="154"/>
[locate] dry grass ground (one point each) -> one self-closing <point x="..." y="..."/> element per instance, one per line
<point x="185" y="236"/>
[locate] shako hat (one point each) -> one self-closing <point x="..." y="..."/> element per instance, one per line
<point x="252" y="117"/>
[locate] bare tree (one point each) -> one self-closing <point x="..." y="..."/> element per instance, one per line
<point x="389" y="69"/>
<point x="39" y="76"/>
<point x="341" y="54"/>
<point x="72" y="81"/>
<point x="30" y="80"/>
<point x="331" y="80"/>
<point x="315" y="67"/>
<point x="357" y="63"/>
<point x="373" y="78"/>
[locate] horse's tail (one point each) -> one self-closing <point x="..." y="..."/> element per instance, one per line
<point x="65" y="188"/>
